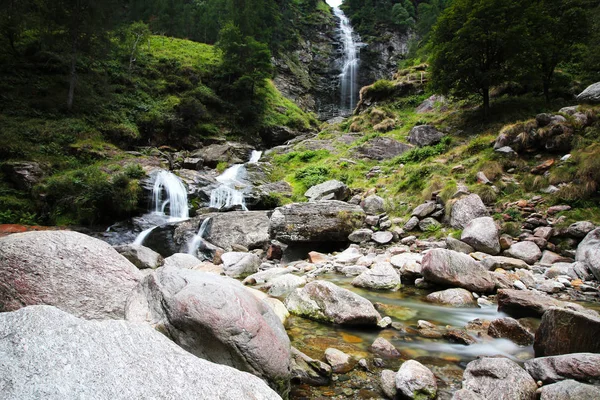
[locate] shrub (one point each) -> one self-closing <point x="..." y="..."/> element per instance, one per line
<point x="312" y="175"/>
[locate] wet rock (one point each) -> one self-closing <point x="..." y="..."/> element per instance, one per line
<point x="580" y="229"/>
<point x="510" y="328"/>
<point x="360" y="235"/>
<point x="415" y="381"/>
<point x="482" y="234"/>
<point x="565" y="331"/>
<point x="527" y="303"/>
<point x="229" y="152"/>
<point x="321" y="221"/>
<point x="506" y="263"/>
<point x="388" y="383"/>
<point x="373" y="205"/>
<point x="569" y="390"/>
<point x="449" y="268"/>
<point x="466" y="209"/>
<point x="74" y="272"/>
<point x="452" y="297"/>
<point x="285" y="284"/>
<point x="324" y="301"/>
<point x="240" y="265"/>
<point x="381" y="148"/>
<point x="588" y="252"/>
<point x="409" y="265"/>
<point x="141" y="256"/>
<point x="308" y="370"/>
<point x="526" y="251"/>
<point x="578" y="366"/>
<point x="382" y="237"/>
<point x="424" y="135"/>
<point x="382" y="276"/>
<point x="215" y="318"/>
<point x="383" y="348"/>
<point x="424" y="210"/>
<point x="499" y="378"/>
<point x="69" y="358"/>
<point x="330" y="190"/>
<point x="458" y="336"/>
<point x="340" y="362"/>
<point x="591" y="94"/>
<point x="458" y="245"/>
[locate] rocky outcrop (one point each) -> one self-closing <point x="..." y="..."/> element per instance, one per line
<point x="321" y="221"/>
<point x="499" y="378"/>
<point x="381" y="148"/>
<point x="588" y="252"/>
<point x="578" y="366"/>
<point x="424" y="135"/>
<point x="69" y="358"/>
<point x="215" y="318"/>
<point x="69" y="270"/>
<point x="466" y="209"/>
<point x="23" y="174"/>
<point x="566" y="331"/>
<point x="324" y="301"/>
<point x="590" y="95"/>
<point x="330" y="190"/>
<point x="449" y="268"/>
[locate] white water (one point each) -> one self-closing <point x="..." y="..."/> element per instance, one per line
<point x="169" y="203"/>
<point x="198" y="238"/>
<point x="348" y="83"/>
<point x="228" y="195"/>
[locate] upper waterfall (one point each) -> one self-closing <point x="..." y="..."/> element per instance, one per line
<point x="350" y="63"/>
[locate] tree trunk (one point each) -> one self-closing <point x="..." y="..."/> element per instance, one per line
<point x="72" y="77"/>
<point x="132" y="57"/>
<point x="486" y="103"/>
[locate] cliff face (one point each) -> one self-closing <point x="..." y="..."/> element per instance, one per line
<point x="379" y="58"/>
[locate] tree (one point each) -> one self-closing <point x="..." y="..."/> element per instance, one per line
<point x="13" y="17"/>
<point x="474" y="47"/>
<point x="132" y="37"/>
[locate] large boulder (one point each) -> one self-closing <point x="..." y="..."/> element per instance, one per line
<point x="528" y="303"/>
<point x="215" y="318"/>
<point x="578" y="366"/>
<point x="69" y="270"/>
<point x="569" y="390"/>
<point x="141" y="256"/>
<point x="382" y="276"/>
<point x="330" y="190"/>
<point x="590" y="95"/>
<point x="452" y="269"/>
<point x="381" y="148"/>
<point x="526" y="251"/>
<point x="566" y="331"/>
<point x="424" y="135"/>
<point x="499" y="378"/>
<point x="320" y="221"/>
<point x="482" y="234"/>
<point x="409" y="265"/>
<point x="466" y="209"/>
<point x="416" y="381"/>
<point x="588" y="252"/>
<point x="240" y="265"/>
<point x="324" y="301"/>
<point x="49" y="354"/>
<point x="229" y="152"/>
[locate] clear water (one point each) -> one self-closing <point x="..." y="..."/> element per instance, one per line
<point x="350" y="63"/>
<point x="198" y="238"/>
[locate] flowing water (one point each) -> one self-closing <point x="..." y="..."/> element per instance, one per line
<point x="350" y="63"/>
<point x="198" y="238"/>
<point x="230" y="194"/>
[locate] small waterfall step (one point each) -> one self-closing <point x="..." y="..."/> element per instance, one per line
<point x="228" y="195"/>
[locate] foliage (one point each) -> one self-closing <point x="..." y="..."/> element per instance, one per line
<point x="420" y="154"/>
<point x="312" y="175"/>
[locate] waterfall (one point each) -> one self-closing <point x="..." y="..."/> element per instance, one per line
<point x="348" y="84"/>
<point x="198" y="238"/>
<point x="228" y="195"/>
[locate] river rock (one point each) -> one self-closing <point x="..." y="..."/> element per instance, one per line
<point x="415" y="381"/>
<point x="466" y="209"/>
<point x="424" y="210"/>
<point x="308" y="370"/>
<point x="182" y="260"/>
<point x="320" y="221"/>
<point x="74" y="272"/>
<point x="388" y="383"/>
<point x="510" y="328"/>
<point x="340" y="362"/>
<point x="141" y="256"/>
<point x="591" y="94"/>
<point x="449" y="268"/>
<point x="569" y="390"/>
<point x="424" y="135"/>
<point x="452" y="297"/>
<point x="578" y="366"/>
<point x="382" y="276"/>
<point x="229" y="152"/>
<point x="526" y="251"/>
<point x="71" y="358"/>
<point x="527" y="303"/>
<point x="324" y="301"/>
<point x="373" y="205"/>
<point x="409" y="265"/>
<point x="499" y="378"/>
<point x="330" y="190"/>
<point x="381" y="148"/>
<point x="215" y="318"/>
<point x="268" y="275"/>
<point x="565" y="331"/>
<point x="482" y="234"/>
<point x="384" y="348"/>
<point x="240" y="265"/>
<point x="458" y="245"/>
<point x="283" y="285"/>
<point x="360" y="235"/>
<point x="588" y="252"/>
<point x="247" y="228"/>
<point x="382" y="237"/>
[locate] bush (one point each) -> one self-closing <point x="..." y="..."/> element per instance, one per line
<point x="311" y="176"/>
<point x="420" y="154"/>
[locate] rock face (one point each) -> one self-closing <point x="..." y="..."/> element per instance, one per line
<point x="526" y="303"/>
<point x="215" y="318"/>
<point x="467" y="209"/>
<point x="74" y="272"/>
<point x="415" y="381"/>
<point x="591" y="94"/>
<point x="247" y="228"/>
<point x="569" y="390"/>
<point x="499" y="378"/>
<point x="23" y="174"/>
<point x="578" y="366"/>
<point x="565" y="331"/>
<point x="230" y="152"/>
<point x="381" y="148"/>
<point x="449" y="268"/>
<point x="321" y="221"/>
<point x="510" y="328"/>
<point x="526" y="251"/>
<point x="482" y="234"/>
<point x="141" y="256"/>
<point x="330" y="190"/>
<point x="588" y="252"/>
<point x="324" y="301"/>
<point x="107" y="360"/>
<point x="424" y="135"/>
<point x="453" y="297"/>
<point x="382" y="276"/>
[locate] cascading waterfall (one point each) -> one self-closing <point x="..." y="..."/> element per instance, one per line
<point x="227" y="194"/>
<point x="350" y="62"/>
<point x="198" y="238"/>
<point x="168" y="194"/>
